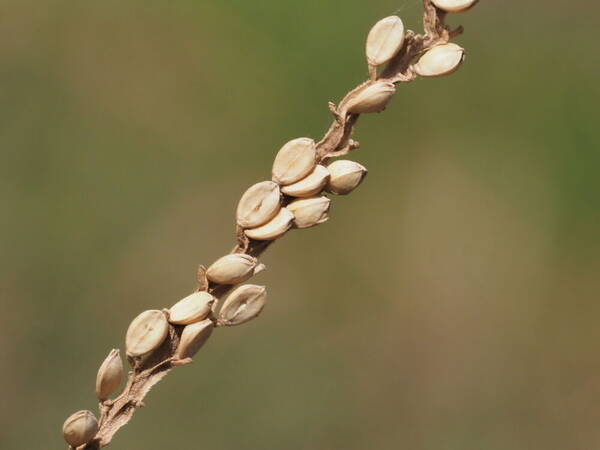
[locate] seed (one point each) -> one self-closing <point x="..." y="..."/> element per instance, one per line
<point x="80" y="428"/>
<point x="294" y="161"/>
<point x="273" y="229"/>
<point x="232" y="269"/>
<point x="309" y="212"/>
<point x="310" y="185"/>
<point x="372" y="99"/>
<point x="385" y="40"/>
<point x="259" y="268"/>
<point x="454" y="6"/>
<point x="258" y="204"/>
<point x="345" y="176"/>
<point x="440" y="60"/>
<point x="243" y="304"/>
<point x="109" y="375"/>
<point x="193" y="337"/>
<point x="192" y="308"/>
<point x="146" y="332"/>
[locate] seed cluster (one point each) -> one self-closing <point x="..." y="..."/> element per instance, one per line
<point x="303" y="177"/>
<point x="297" y="186"/>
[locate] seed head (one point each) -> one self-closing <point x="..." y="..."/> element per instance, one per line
<point x="193" y="338"/>
<point x="310" y="185"/>
<point x="243" y="304"/>
<point x="258" y="204"/>
<point x="454" y="6"/>
<point x="109" y="375"/>
<point x="440" y="60"/>
<point x="146" y="332"/>
<point x="274" y="229"/>
<point x="232" y="269"/>
<point x="385" y="40"/>
<point x="345" y="176"/>
<point x="309" y="212"/>
<point x="372" y="99"/>
<point x="192" y="308"/>
<point x="294" y="161"/>
<point x="80" y="428"/>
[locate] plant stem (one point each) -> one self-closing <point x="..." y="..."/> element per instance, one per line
<point x="336" y="142"/>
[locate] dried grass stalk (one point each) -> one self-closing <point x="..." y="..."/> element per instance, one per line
<point x="259" y="216"/>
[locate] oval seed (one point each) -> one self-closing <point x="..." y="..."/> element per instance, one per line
<point x="372" y="99"/>
<point x="80" y="428"/>
<point x="310" y="185"/>
<point x="309" y="212"/>
<point x="193" y="338"/>
<point x="345" y="176"/>
<point x="243" y="304"/>
<point x="440" y="60"/>
<point x="294" y="161"/>
<point x="274" y="229"/>
<point x="385" y="40"/>
<point x="146" y="332"/>
<point x="192" y="308"/>
<point x="109" y="375"/>
<point x="454" y="6"/>
<point x="258" y="204"/>
<point x="232" y="269"/>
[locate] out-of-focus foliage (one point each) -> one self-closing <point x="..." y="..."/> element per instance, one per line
<point x="451" y="302"/>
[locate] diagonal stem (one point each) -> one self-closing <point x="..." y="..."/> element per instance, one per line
<point x="337" y="141"/>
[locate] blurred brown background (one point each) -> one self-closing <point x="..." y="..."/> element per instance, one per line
<point x="450" y="303"/>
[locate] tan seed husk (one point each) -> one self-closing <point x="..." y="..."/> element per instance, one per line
<point x="232" y="269"/>
<point x="310" y="185"/>
<point x="109" y="375"/>
<point x="309" y="212"/>
<point x="454" y="6"/>
<point x="201" y="277"/>
<point x="146" y="332"/>
<point x="294" y="161"/>
<point x="193" y="308"/>
<point x="243" y="304"/>
<point x="345" y="176"/>
<point x="440" y="60"/>
<point x="193" y="338"/>
<point x="385" y="40"/>
<point x="80" y="428"/>
<point x="372" y="99"/>
<point x="273" y="229"/>
<point x="259" y="204"/>
<point x="259" y="268"/>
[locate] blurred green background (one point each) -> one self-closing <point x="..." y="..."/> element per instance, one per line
<point x="450" y="303"/>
